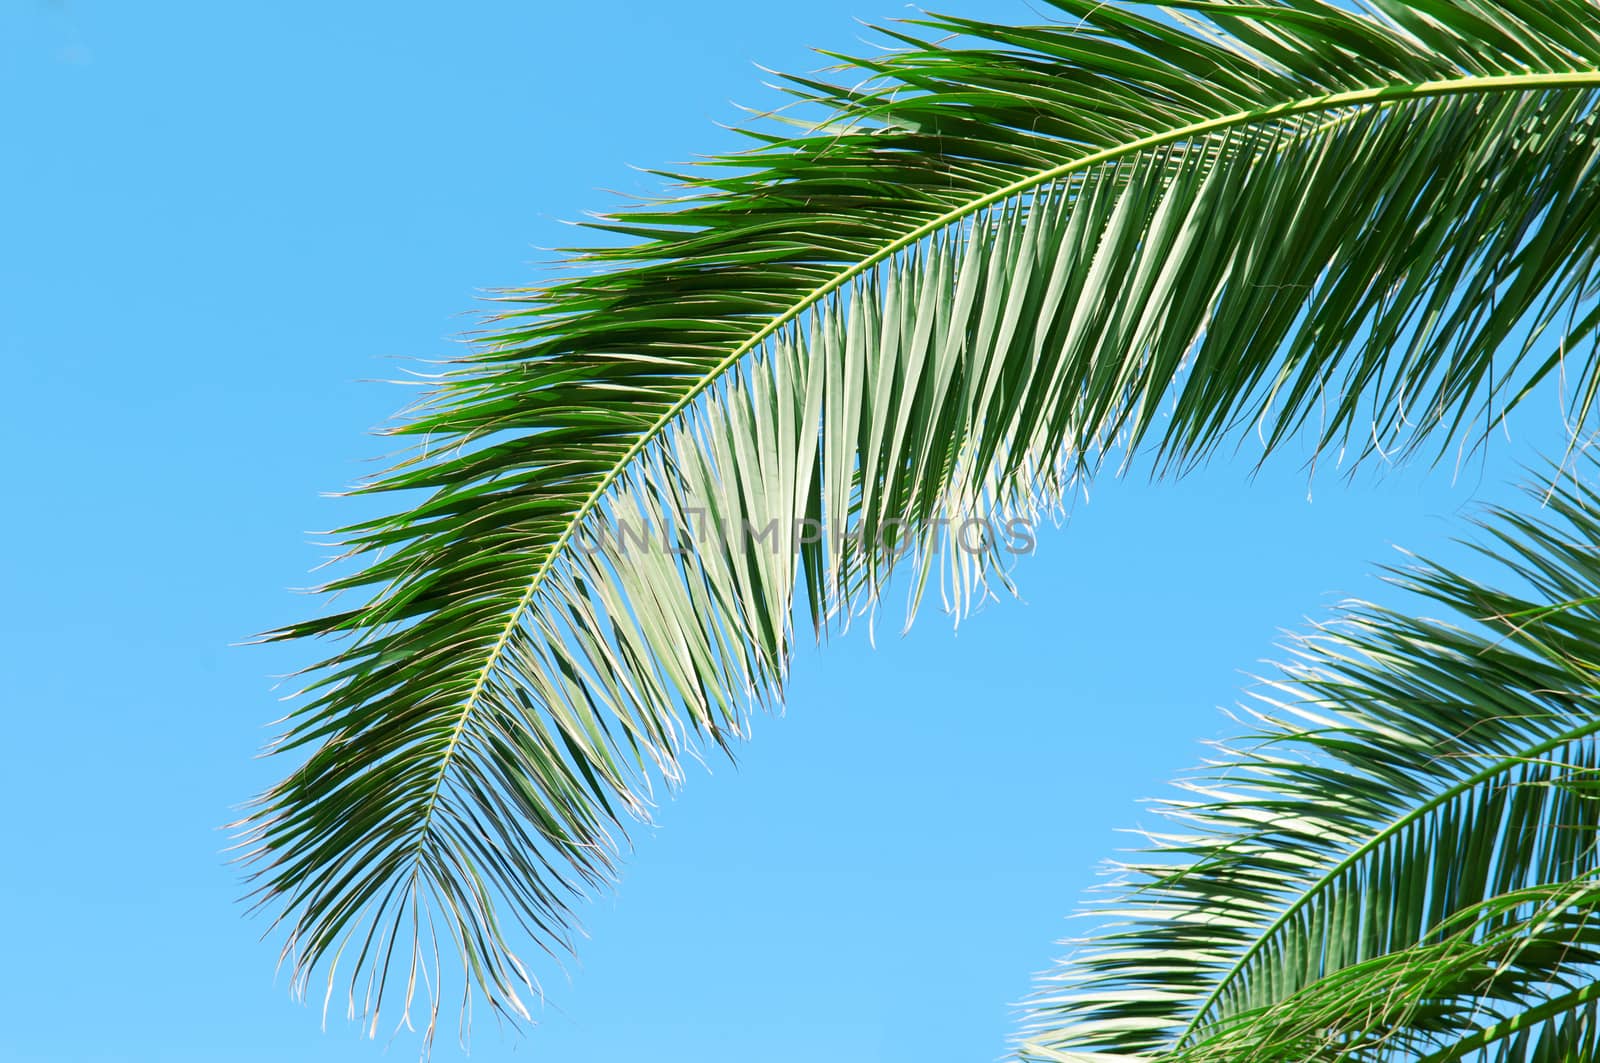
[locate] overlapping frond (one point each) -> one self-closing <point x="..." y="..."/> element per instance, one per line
<point x="1400" y="862"/>
<point x="1003" y="252"/>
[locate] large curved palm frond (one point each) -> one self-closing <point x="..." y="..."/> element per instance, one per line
<point x="1400" y="862"/>
<point x="1002" y="252"/>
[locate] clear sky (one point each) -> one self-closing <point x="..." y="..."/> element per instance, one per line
<point x="219" y="222"/>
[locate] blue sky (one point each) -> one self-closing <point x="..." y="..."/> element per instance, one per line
<point x="222" y="221"/>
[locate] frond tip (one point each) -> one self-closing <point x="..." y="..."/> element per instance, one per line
<point x="999" y="257"/>
<point x="1402" y="860"/>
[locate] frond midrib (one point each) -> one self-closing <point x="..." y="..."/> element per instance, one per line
<point x="1499" y="1031"/>
<point x="1377" y="97"/>
<point x="1498" y="767"/>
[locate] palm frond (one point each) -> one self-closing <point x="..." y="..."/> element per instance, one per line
<point x="1003" y="253"/>
<point x="1401" y="861"/>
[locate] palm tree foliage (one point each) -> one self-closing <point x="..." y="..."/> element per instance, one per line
<point x="1400" y="861"/>
<point x="985" y="261"/>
